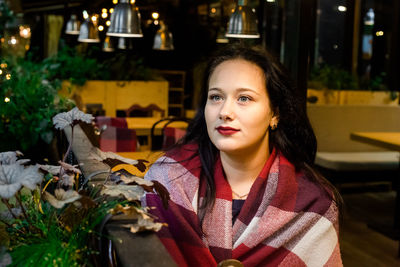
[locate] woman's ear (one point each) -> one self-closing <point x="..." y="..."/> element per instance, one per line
<point x="273" y="124"/>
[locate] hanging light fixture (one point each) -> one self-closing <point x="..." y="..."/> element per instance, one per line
<point x="125" y="21"/>
<point x="72" y="26"/>
<point x="163" y="39"/>
<point x="107" y="45"/>
<point x="243" y="22"/>
<point x="88" y="32"/>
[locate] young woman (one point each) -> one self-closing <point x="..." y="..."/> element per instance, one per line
<point x="242" y="184"/>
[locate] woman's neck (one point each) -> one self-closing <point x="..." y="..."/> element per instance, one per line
<point x="242" y="169"/>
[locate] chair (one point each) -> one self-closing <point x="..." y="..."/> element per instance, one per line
<point x="170" y="135"/>
<point x="137" y="110"/>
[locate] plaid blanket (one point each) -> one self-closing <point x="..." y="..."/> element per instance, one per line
<point x="286" y="220"/>
<point x="118" y="140"/>
<point x="111" y="121"/>
<point x="171" y="136"/>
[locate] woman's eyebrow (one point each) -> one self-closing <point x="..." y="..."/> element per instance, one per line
<point x="215" y="89"/>
<point x="241" y="90"/>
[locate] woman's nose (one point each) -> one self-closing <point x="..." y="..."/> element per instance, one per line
<point x="226" y="112"/>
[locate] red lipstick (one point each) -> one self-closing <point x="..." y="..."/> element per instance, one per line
<point x="226" y="130"/>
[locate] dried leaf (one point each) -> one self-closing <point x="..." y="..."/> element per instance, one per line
<point x="127" y="170"/>
<point x="162" y="192"/>
<point x="99" y="155"/>
<point x="9" y="157"/>
<point x="13" y="176"/>
<point x="69" y="168"/>
<point x="143" y="220"/>
<point x="52" y="169"/>
<point x="86" y="202"/>
<point x="61" y="120"/>
<point x="141" y="164"/>
<point x="146" y="225"/>
<point x="135" y="179"/>
<point x="130" y="192"/>
<point x="61" y="197"/>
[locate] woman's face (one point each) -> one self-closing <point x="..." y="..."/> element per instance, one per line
<point x="238" y="110"/>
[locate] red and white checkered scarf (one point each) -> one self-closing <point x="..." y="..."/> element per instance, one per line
<point x="286" y="220"/>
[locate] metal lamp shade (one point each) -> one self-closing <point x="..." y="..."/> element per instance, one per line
<point x="72" y="26"/>
<point x="107" y="45"/>
<point x="88" y="32"/>
<point x="243" y="23"/>
<point x="125" y="21"/>
<point x="163" y="39"/>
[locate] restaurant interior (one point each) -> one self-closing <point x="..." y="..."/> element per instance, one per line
<point x="137" y="67"/>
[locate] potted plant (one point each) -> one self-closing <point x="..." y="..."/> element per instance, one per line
<point x="49" y="216"/>
<point x="332" y="85"/>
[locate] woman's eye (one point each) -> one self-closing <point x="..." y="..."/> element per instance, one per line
<point x="215" y="97"/>
<point x="244" y="99"/>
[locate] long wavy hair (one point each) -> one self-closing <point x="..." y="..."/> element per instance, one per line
<point x="294" y="136"/>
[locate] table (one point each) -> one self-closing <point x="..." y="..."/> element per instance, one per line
<point x="388" y="140"/>
<point x="143" y="125"/>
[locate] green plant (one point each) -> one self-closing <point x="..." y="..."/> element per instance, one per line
<point x="28" y="102"/>
<point x="51" y="217"/>
<point x="6" y="16"/>
<point x="68" y="64"/>
<point x="332" y="77"/>
<point x="128" y="67"/>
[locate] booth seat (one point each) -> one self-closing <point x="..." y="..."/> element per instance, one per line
<point x="338" y="156"/>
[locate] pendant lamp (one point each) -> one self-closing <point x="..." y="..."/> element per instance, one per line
<point x="88" y="32"/>
<point x="107" y="45"/>
<point x="125" y="21"/>
<point x="72" y="26"/>
<point x="243" y="22"/>
<point x="163" y="39"/>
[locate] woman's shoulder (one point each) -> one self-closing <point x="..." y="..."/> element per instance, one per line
<point x="313" y="195"/>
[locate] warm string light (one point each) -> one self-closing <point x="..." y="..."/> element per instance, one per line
<point x="108" y="23"/>
<point x="8" y="76"/>
<point x="115" y="2"/>
<point x="104" y="15"/>
<point x="101" y="28"/>
<point x="155" y="15"/>
<point x="111" y="10"/>
<point x="24" y="32"/>
<point x="85" y="14"/>
<point x="379" y="33"/>
<point x="7" y="99"/>
<point x="1" y="72"/>
<point x="12" y="41"/>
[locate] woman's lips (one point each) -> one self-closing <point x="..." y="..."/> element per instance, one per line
<point x="227" y="130"/>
